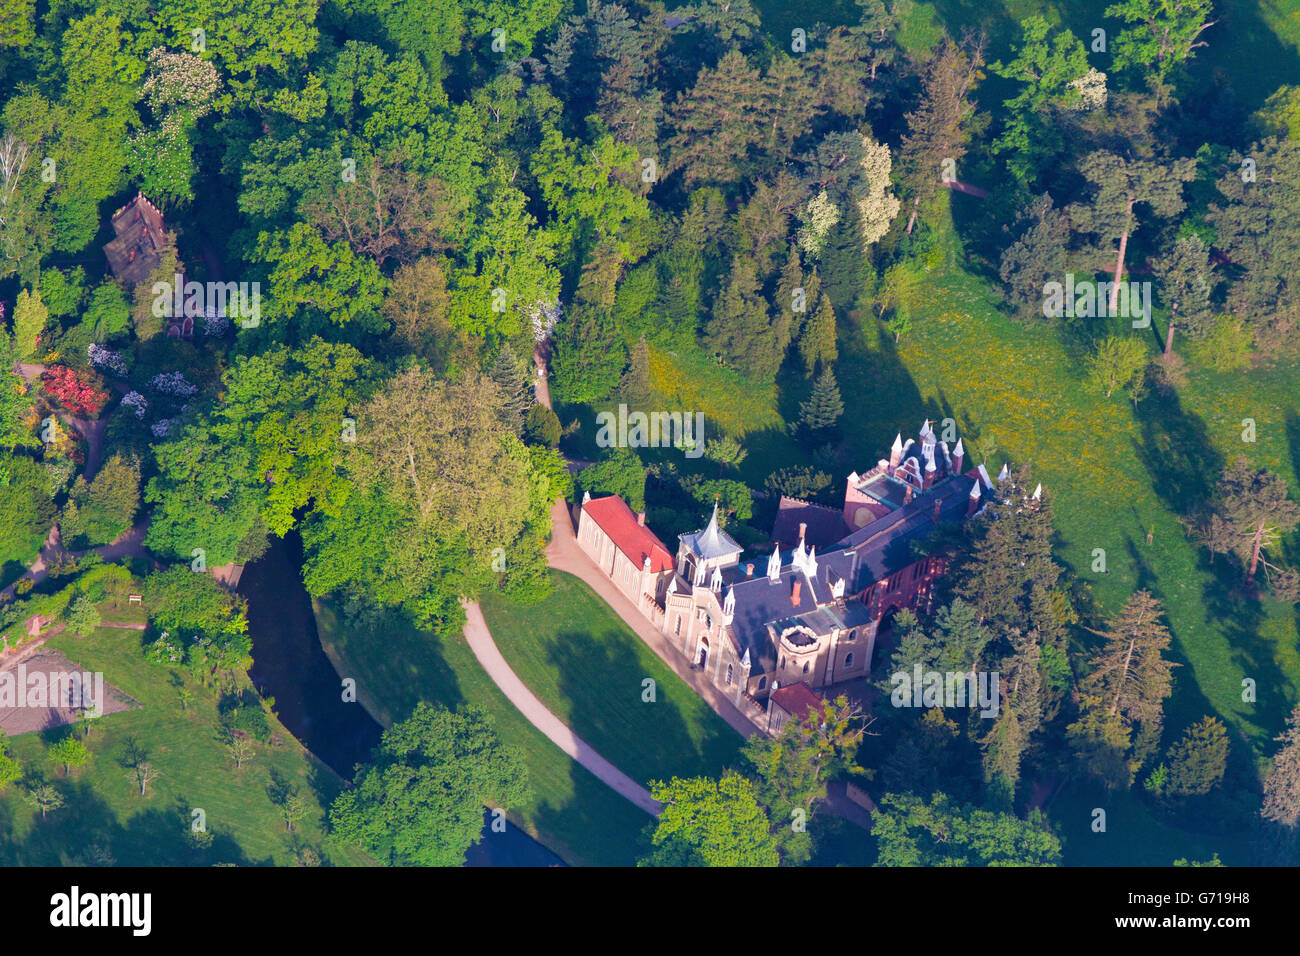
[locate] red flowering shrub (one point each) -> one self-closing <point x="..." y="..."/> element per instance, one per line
<point x="78" y="392"/>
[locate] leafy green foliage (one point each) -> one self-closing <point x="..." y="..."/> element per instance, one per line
<point x="98" y="511"/>
<point x="708" y="822"/>
<point x="911" y="831"/>
<point x="420" y="801"/>
<point x="619" y="472"/>
<point x="26" y="510"/>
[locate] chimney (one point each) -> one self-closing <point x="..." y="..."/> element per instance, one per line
<point x="803" y="529"/>
<point x="749" y="571"/>
<point x="973" y="502"/>
<point x="640" y="518"/>
<point x="794" y="594"/>
<point x="958" y="457"/>
<point x="936" y="510"/>
<point x="907" y="495"/>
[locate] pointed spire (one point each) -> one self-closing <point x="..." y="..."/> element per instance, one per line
<point x="959" y="450"/>
<point x="586" y="496"/>
<point x="715" y="583"/>
<point x="975" y="493"/>
<point x="1038" y="492"/>
<point x="699" y="573"/>
<point x="672" y="587"/>
<point x="896" y="451"/>
<point x="774" y="565"/>
<point x="1002" y="475"/>
<point x="710" y="533"/>
<point x="744" y="661"/>
<point x="925" y="428"/>
<point x="810" y="563"/>
<point x="729" y="605"/>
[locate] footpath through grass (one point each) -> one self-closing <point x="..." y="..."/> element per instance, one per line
<point x="397" y="665"/>
<point x="591" y="670"/>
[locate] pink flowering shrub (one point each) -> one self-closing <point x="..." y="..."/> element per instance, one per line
<point x="78" y="392"/>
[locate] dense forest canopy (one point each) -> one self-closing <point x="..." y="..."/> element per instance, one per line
<point x="434" y="201"/>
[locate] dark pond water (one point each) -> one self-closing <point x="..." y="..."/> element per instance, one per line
<point x="290" y="665"/>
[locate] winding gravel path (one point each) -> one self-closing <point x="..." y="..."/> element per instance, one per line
<point x="485" y="649"/>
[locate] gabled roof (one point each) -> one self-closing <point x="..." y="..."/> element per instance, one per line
<point x="636" y="541"/>
<point x="712" y="542"/>
<point x="139" y="243"/>
<point x="796" y="699"/>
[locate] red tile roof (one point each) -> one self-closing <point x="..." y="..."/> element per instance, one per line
<point x="796" y="699"/>
<point x="616" y="519"/>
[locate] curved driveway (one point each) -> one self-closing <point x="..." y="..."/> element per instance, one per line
<point x="485" y="649"/>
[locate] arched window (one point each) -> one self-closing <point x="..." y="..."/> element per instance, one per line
<point x="678" y="631"/>
<point x="762" y="683"/>
<point x="783" y="663"/>
<point x="853" y="635"/>
<point x="805" y="667"/>
<point x="730" y="672"/>
<point x="848" y="659"/>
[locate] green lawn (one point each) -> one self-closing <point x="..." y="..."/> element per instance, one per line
<point x="590" y="669"/>
<point x="1115" y="475"/>
<point x="397" y="666"/>
<point x="102" y="802"/>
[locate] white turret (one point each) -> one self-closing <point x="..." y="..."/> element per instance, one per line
<point x="774" y="565"/>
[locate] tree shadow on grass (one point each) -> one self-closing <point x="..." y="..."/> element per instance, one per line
<point x="1175" y="448"/>
<point x="603" y="679"/>
<point x="85" y="831"/>
<point x="881" y="396"/>
<point x="598" y="826"/>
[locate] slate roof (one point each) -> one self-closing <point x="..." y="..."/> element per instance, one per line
<point x="712" y="542"/>
<point x="825" y="525"/>
<point x="860" y="559"/>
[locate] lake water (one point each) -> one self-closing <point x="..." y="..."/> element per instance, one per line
<point x="290" y="665"/>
